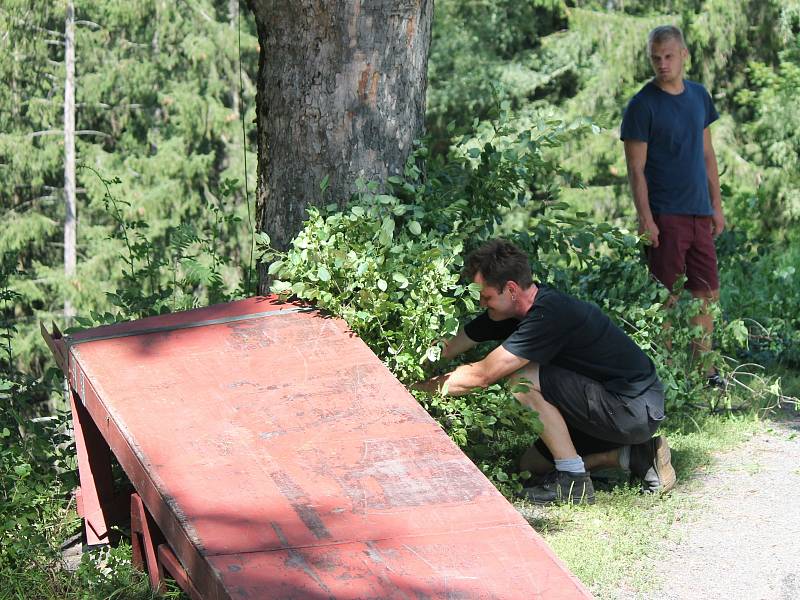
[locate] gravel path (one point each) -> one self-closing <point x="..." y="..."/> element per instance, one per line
<point x="741" y="540"/>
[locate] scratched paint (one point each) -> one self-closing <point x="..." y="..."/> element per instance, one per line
<point x="298" y="467"/>
<point x="247" y="336"/>
<point x="301" y="503"/>
<point x="411" y="472"/>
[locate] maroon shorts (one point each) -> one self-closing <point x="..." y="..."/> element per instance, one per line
<point x="685" y="246"/>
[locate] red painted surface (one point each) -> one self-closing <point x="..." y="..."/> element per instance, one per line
<point x="96" y="501"/>
<point x="281" y="459"/>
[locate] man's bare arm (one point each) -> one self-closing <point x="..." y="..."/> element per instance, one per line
<point x="458" y="344"/>
<point x="712" y="173"/>
<point x="635" y="158"/>
<point x="499" y="363"/>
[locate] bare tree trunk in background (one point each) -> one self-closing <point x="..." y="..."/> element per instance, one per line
<point x="341" y="93"/>
<point x="69" y="155"/>
<point x="233" y="19"/>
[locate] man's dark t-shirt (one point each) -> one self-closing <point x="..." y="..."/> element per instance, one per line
<point x="574" y="335"/>
<point x="672" y="125"/>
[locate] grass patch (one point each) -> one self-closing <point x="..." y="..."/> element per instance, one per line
<point x="102" y="574"/>
<point x="608" y="546"/>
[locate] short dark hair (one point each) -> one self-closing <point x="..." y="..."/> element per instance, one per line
<point x="498" y="262"/>
<point x="664" y="33"/>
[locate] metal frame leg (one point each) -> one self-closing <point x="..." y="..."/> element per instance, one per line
<point x="145" y="538"/>
<point x="168" y="561"/>
<point x="153" y="554"/>
<point x="96" y="500"/>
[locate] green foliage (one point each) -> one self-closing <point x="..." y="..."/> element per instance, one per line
<point x="36" y="474"/>
<point x="775" y="146"/>
<point x="761" y="282"/>
<point x="162" y="224"/>
<point x="590" y="64"/>
<point x="37" y="454"/>
<point x="476" y="51"/>
<point x="155" y="281"/>
<point x="35" y="457"/>
<point x="159" y="106"/>
<point x="108" y="573"/>
<point x="389" y="265"/>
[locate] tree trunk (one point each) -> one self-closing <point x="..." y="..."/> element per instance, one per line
<point x="341" y="93"/>
<point x="69" y="155"/>
<point x="233" y="19"/>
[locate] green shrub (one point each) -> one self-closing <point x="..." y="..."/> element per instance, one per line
<point x="390" y="263"/>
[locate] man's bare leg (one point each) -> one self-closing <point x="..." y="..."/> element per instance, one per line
<point x="666" y="326"/>
<point x="702" y="345"/>
<point x="554" y="433"/>
<point x="572" y="483"/>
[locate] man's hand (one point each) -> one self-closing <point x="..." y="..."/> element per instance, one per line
<point x="717" y="223"/>
<point x="650" y="230"/>
<point x="499" y="363"/>
<point x="712" y="172"/>
<point x="430" y="386"/>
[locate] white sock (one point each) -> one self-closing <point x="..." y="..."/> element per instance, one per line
<point x="570" y="465"/>
<point x="625" y="458"/>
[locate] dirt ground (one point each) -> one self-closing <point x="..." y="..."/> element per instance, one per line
<point x="741" y="538"/>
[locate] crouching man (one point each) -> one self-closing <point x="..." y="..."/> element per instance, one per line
<point x="596" y="392"/>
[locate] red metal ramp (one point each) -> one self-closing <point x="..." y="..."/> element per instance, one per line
<point x="281" y="459"/>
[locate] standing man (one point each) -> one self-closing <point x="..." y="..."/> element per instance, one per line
<point x="596" y="392"/>
<point x="673" y="174"/>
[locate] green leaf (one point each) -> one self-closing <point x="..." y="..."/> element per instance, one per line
<point x="401" y="279"/>
<point x="382" y="285"/>
<point x="323" y="274"/>
<point x="414" y="227"/>
<point x="280" y="287"/>
<point x="433" y="353"/>
<point x="323" y="185"/>
<point x="275" y="267"/>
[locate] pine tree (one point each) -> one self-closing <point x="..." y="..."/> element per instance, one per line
<point x="156" y="108"/>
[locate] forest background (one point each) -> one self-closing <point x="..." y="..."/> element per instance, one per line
<point x="524" y="103"/>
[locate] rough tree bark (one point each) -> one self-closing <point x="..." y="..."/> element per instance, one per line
<point x="341" y="93"/>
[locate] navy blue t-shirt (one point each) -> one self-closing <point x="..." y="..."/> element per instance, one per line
<point x="672" y="125"/>
<point x="574" y="335"/>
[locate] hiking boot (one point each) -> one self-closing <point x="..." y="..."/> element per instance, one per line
<point x="715" y="381"/>
<point x="537" y="480"/>
<point x="651" y="465"/>
<point x="562" y="488"/>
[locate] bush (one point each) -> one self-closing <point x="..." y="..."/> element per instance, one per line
<point x="390" y="263"/>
